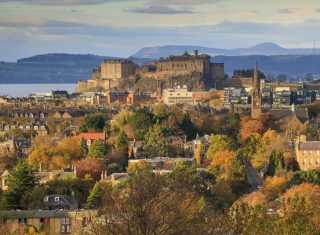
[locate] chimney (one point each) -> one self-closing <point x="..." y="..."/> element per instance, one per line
<point x="196" y="53"/>
<point x="102" y="176"/>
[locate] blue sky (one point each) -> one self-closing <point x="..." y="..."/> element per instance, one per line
<point x="121" y="27"/>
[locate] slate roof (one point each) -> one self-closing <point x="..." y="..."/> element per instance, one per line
<point x="302" y="114"/>
<point x="309" y="145"/>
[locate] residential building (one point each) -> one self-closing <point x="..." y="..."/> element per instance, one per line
<point x="57" y="202"/>
<point x="178" y="96"/>
<point x="91" y="137"/>
<point x="236" y="96"/>
<point x="51" y="222"/>
<point x="307" y="154"/>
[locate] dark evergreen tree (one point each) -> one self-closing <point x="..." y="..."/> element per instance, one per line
<point x="188" y="127"/>
<point x="21" y="180"/>
<point x="121" y="142"/>
<point x="84" y="145"/>
<point x="95" y="197"/>
<point x="276" y="164"/>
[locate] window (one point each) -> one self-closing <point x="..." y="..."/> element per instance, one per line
<point x="65" y="225"/>
<point x="23" y="220"/>
<point x="56" y="199"/>
<point x="46" y="199"/>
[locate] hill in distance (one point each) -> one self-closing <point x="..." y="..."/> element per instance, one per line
<point x="267" y="48"/>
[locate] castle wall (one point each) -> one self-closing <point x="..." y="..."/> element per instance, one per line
<point x="90" y="84"/>
<point x="217" y="71"/>
<point x="117" y="69"/>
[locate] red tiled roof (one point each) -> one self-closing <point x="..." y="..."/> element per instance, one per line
<point x="91" y="136"/>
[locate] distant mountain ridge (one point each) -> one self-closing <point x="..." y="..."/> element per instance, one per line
<point x="267" y="48"/>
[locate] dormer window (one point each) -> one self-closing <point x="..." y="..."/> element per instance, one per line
<point x="56" y="199"/>
<point x="88" y="142"/>
<point x="46" y="199"/>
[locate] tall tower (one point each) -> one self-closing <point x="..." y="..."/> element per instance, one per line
<point x="256" y="95"/>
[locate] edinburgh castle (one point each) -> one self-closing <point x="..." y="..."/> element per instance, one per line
<point x="196" y="71"/>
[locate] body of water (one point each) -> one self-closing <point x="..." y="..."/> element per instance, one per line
<point x="26" y="89"/>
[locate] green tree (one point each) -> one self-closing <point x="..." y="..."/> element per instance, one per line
<point x="276" y="164"/>
<point x="84" y="146"/>
<point x="97" y="149"/>
<point x="95" y="197"/>
<point x="140" y="122"/>
<point x="218" y="143"/>
<point x="299" y="177"/>
<point x="21" y="180"/>
<point x="252" y="145"/>
<point x="156" y="145"/>
<point x="121" y="142"/>
<point x="94" y="121"/>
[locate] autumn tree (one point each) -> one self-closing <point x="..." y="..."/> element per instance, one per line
<point x="250" y="127"/>
<point x="218" y="143"/>
<point x="273" y="187"/>
<point x="90" y="167"/>
<point x="70" y="149"/>
<point x="222" y="164"/>
<point x="120" y="120"/>
<point x="21" y="180"/>
<point x="149" y="202"/>
<point x="253" y="199"/>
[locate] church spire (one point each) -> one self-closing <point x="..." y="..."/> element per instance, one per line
<point x="255" y="94"/>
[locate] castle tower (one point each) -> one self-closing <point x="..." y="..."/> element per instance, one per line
<point x="255" y="95"/>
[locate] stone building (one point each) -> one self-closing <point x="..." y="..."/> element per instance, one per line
<point x="178" y="70"/>
<point x="308" y="154"/>
<point x="47" y="221"/>
<point x="108" y="75"/>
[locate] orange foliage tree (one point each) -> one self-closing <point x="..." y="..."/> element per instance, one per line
<point x="249" y="127"/>
<point x="253" y="199"/>
<point x="221" y="164"/>
<point x="89" y="166"/>
<point x="273" y="187"/>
